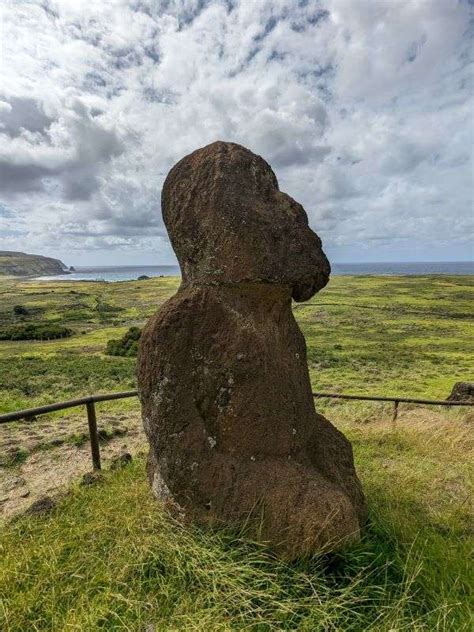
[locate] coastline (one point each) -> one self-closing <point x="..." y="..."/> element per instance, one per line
<point x="389" y="269"/>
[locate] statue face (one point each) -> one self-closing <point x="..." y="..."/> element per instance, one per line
<point x="229" y="223"/>
<point x="298" y="259"/>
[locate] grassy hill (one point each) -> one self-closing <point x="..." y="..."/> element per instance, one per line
<point x="22" y="264"/>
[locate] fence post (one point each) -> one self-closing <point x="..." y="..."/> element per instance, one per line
<point x="395" y="412"/>
<point x="94" y="437"/>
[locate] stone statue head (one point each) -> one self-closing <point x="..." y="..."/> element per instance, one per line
<point x="230" y="224"/>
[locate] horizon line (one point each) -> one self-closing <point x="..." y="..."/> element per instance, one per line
<point x="176" y="265"/>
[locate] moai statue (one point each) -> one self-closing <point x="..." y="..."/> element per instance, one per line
<point x="223" y="380"/>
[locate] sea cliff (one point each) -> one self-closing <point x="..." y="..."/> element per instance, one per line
<point x="23" y="264"/>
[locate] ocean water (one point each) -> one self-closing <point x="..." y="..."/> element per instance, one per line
<point x="421" y="268"/>
<point x="127" y="273"/>
<point x="113" y="273"/>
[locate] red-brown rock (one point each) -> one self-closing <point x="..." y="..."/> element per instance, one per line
<point x="222" y="373"/>
<point x="462" y="392"/>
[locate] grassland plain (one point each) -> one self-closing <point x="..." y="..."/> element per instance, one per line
<point x="108" y="559"/>
<point x="387" y="335"/>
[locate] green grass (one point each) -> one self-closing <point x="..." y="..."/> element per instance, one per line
<point x="382" y="335"/>
<point x="108" y="559"/>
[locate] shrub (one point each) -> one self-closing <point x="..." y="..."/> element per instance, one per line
<point x="76" y="314"/>
<point x="19" y="310"/>
<point x="126" y="346"/>
<point x="107" y="308"/>
<point x="34" y="331"/>
<point x="106" y="312"/>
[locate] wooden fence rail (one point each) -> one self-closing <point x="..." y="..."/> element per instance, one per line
<point x="89" y="402"/>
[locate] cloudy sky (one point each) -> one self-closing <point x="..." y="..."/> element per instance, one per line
<point x="362" y="107"/>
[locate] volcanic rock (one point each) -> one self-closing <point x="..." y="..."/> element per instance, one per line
<point x="462" y="392"/>
<point x="222" y="373"/>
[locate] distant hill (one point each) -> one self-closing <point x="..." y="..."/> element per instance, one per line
<point x="22" y="264"/>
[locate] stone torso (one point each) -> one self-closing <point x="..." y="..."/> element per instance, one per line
<point x="245" y="364"/>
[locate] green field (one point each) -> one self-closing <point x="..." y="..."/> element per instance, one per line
<point x="382" y="335"/>
<point x="108" y="559"/>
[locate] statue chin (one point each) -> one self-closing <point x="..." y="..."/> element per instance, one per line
<point x="307" y="287"/>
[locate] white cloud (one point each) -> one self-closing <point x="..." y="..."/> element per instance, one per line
<point x="362" y="108"/>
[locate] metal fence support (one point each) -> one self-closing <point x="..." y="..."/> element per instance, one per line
<point x="395" y="412"/>
<point x="396" y="401"/>
<point x="94" y="437"/>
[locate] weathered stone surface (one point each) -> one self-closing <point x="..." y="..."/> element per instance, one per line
<point x="222" y="373"/>
<point x="462" y="392"/>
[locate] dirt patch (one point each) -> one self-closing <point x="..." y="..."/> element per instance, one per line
<point x="49" y="455"/>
